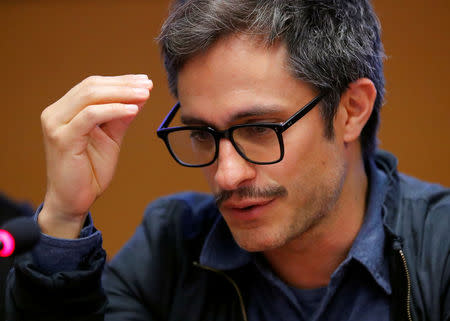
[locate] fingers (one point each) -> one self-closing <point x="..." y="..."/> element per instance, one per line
<point x="128" y="89"/>
<point x="90" y="117"/>
<point x="116" y="129"/>
<point x="82" y="135"/>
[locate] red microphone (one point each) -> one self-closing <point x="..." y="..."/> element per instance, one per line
<point x="18" y="235"/>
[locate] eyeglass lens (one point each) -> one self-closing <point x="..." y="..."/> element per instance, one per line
<point x="198" y="146"/>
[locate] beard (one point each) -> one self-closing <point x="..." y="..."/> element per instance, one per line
<point x="298" y="212"/>
<point x="318" y="208"/>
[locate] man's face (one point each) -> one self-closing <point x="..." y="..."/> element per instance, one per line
<point x="238" y="81"/>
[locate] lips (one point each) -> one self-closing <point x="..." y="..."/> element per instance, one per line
<point x="246" y="211"/>
<point x="245" y="204"/>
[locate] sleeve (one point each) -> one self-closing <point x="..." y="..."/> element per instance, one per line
<point x="138" y="284"/>
<point x="53" y="254"/>
<point x="59" y="280"/>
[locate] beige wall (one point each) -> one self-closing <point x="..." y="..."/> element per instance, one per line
<point x="48" y="46"/>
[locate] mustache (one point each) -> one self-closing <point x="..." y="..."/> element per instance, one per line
<point x="250" y="192"/>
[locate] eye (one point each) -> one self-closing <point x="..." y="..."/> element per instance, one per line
<point x="200" y="136"/>
<point x="254" y="131"/>
<point x="260" y="130"/>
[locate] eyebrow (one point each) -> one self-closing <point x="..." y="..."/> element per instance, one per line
<point x="254" y="111"/>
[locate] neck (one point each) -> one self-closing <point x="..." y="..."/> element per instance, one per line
<point x="309" y="260"/>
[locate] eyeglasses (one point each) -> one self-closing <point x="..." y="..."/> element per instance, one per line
<point x="257" y="143"/>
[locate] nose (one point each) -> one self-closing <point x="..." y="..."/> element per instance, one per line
<point x="232" y="170"/>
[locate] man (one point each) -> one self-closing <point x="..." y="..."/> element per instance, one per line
<point x="280" y="103"/>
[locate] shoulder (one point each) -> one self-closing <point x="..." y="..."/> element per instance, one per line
<point x="423" y="224"/>
<point x="416" y="206"/>
<point x="414" y="189"/>
<point x="424" y="204"/>
<point x="417" y="213"/>
<point x="188" y="213"/>
<point x="173" y="230"/>
<point x="420" y="219"/>
<point x="411" y="204"/>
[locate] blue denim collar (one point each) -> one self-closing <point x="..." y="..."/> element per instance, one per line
<point x="368" y="247"/>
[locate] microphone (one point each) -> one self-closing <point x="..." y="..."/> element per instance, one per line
<point x="18" y="235"/>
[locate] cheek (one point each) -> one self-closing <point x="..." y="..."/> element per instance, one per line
<point x="309" y="159"/>
<point x="209" y="173"/>
<point x="301" y="153"/>
<point x="302" y="142"/>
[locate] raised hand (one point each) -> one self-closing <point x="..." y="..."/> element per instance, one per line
<point x="83" y="132"/>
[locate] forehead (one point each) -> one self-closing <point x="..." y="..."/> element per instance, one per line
<point x="238" y="72"/>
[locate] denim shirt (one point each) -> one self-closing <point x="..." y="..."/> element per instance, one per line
<point x="359" y="289"/>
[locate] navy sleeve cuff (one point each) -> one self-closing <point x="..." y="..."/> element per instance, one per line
<point x="53" y="254"/>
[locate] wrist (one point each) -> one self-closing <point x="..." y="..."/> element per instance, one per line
<point x="59" y="225"/>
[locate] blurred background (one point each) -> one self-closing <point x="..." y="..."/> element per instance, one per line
<point x="47" y="46"/>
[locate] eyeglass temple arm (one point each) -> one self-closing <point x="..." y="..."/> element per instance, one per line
<point x="169" y="116"/>
<point x="302" y="112"/>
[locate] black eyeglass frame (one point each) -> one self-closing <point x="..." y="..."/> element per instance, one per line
<point x="163" y="131"/>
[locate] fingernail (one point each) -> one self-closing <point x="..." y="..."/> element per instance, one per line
<point x="141" y="91"/>
<point x="132" y="108"/>
<point x="141" y="76"/>
<point x="144" y="82"/>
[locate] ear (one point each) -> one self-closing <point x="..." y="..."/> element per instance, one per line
<point x="357" y="104"/>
